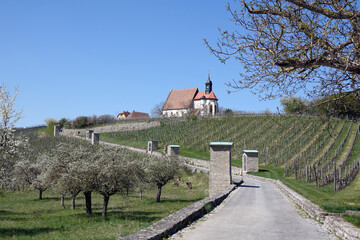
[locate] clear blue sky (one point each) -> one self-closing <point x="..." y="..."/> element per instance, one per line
<point x="83" y="57"/>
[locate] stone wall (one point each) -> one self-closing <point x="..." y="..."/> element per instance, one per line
<point x="113" y="128"/>
<point x="342" y="228"/>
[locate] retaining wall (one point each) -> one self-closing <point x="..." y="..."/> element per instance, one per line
<point x="113" y="128"/>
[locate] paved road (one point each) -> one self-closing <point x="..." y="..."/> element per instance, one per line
<point x="256" y="210"/>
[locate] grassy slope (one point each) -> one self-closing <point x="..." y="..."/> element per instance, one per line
<point x="23" y="216"/>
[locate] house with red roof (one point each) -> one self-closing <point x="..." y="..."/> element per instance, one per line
<point x="133" y="115"/>
<point x="138" y="115"/>
<point x="123" y="115"/>
<point x="181" y="102"/>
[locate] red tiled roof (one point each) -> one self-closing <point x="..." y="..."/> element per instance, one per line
<point x="211" y="95"/>
<point x="180" y="98"/>
<point x="138" y="115"/>
<point x="125" y="113"/>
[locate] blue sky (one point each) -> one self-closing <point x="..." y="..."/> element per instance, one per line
<point x="85" y="57"/>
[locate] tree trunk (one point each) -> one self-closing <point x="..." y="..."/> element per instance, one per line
<point x="105" y="205"/>
<point x="73" y="202"/>
<point x="40" y="194"/>
<point x="63" y="201"/>
<point x="88" y="202"/>
<point x="158" y="193"/>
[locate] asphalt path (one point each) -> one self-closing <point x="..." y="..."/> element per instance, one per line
<point x="255" y="210"/>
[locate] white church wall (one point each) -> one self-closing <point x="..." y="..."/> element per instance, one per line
<point x="197" y="104"/>
<point x="175" y="113"/>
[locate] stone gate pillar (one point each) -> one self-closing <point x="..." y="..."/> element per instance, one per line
<point x="173" y="150"/>
<point x="89" y="134"/>
<point x="220" y="167"/>
<point x="250" y="161"/>
<point x="57" y="130"/>
<point x="95" y="138"/>
<point x="152" y="146"/>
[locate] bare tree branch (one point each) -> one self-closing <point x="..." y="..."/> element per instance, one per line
<point x="293" y="45"/>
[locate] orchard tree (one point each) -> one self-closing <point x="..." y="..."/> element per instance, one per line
<point x="161" y="170"/>
<point x="86" y="170"/>
<point x="138" y="169"/>
<point x="72" y="168"/>
<point x="30" y="174"/>
<point x="9" y="142"/>
<point x="61" y="170"/>
<point x="292" y="45"/>
<point x="114" y="175"/>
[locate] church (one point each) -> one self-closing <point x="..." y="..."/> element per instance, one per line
<point x="182" y="102"/>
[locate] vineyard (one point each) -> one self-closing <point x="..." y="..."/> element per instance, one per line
<point x="309" y="148"/>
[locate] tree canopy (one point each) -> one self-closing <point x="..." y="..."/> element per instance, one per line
<point x="294" y="105"/>
<point x="9" y="142"/>
<point x="292" y="45"/>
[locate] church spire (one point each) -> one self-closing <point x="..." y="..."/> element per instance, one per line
<point x="208" y="85"/>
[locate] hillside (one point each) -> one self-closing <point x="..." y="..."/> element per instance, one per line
<point x="308" y="148"/>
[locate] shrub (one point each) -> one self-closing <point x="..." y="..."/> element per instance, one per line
<point x="50" y="122"/>
<point x="65" y="123"/>
<point x="344" y="105"/>
<point x="294" y="105"/>
<point x="80" y="122"/>
<point x="228" y="112"/>
<point x="105" y="119"/>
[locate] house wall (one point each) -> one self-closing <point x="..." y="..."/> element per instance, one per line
<point x="198" y="104"/>
<point x="121" y="116"/>
<point x="175" y="113"/>
<point x="206" y="106"/>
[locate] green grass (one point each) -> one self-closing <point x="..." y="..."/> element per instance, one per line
<point x="106" y="137"/>
<point x="197" y="154"/>
<point x="23" y="216"/>
<point x="354" y="219"/>
<point x="42" y="132"/>
<point x="188" y="152"/>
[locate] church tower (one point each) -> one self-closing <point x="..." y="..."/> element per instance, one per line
<point x="208" y="85"/>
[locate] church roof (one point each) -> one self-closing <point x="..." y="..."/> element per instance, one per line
<point x="180" y="98"/>
<point x="211" y="95"/>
